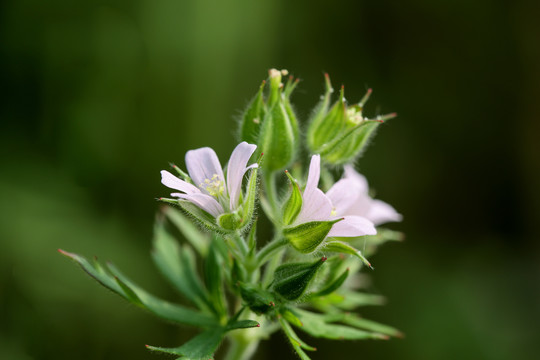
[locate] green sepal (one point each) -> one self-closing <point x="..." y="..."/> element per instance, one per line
<point x="292" y="280"/>
<point x="206" y="220"/>
<point x="230" y="221"/>
<point x="334" y="285"/>
<point x="201" y="347"/>
<point x="344" y="248"/>
<point x="353" y="144"/>
<point x="318" y="326"/>
<point x="307" y="237"/>
<point x="112" y="279"/>
<point x="258" y="300"/>
<point x="248" y="206"/>
<point x="293" y="205"/>
<point x="318" y="116"/>
<point x="330" y="126"/>
<point x="287" y="91"/>
<point x="253" y="118"/>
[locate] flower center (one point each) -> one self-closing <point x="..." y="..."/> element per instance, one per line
<point x="334" y="212"/>
<point x="354" y="116"/>
<point x="214" y="186"/>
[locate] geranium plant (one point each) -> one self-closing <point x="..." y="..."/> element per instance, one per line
<point x="240" y="285"/>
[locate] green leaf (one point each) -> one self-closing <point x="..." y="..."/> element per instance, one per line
<point x="334" y="285"/>
<point x="177" y="264"/>
<point x="293" y="205"/>
<point x="119" y="284"/>
<point x="348" y="300"/>
<point x="196" y="238"/>
<point x="307" y="237"/>
<point x="295" y="341"/>
<point x="243" y="324"/>
<point x="253" y="117"/>
<point x="292" y="280"/>
<point x="344" y="248"/>
<point x="361" y="323"/>
<point x="201" y="347"/>
<point x="317" y="326"/>
<point x="213" y="275"/>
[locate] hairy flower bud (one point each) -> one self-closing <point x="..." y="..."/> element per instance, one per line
<point x="340" y="133"/>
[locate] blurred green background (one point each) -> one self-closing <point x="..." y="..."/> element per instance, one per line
<point x="98" y="96"/>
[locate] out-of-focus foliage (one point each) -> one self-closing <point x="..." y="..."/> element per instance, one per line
<point x="96" y="94"/>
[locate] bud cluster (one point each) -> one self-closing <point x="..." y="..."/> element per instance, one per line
<point x="242" y="286"/>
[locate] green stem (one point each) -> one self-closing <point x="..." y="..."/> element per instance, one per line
<point x="241" y="349"/>
<point x="269" y="249"/>
<point x="271" y="192"/>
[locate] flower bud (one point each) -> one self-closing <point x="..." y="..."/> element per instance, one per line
<point x="340" y="133"/>
<point x="253" y="117"/>
<point x="292" y="280"/>
<point x="279" y="132"/>
<point x="307" y="237"/>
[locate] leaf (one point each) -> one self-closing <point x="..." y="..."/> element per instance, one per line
<point x="213" y="277"/>
<point x="291" y="280"/>
<point x="119" y="284"/>
<point x="306" y="237"/>
<point x="293" y="205"/>
<point x="361" y="323"/>
<point x="177" y="264"/>
<point x="201" y="347"/>
<point x="243" y="324"/>
<point x="315" y="325"/>
<point x="334" y="285"/>
<point x="192" y="234"/>
<point x="295" y="341"/>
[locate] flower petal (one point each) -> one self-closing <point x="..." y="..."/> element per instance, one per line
<point x="315" y="207"/>
<point x="313" y="174"/>
<point x="173" y="182"/>
<point x="203" y="164"/>
<point x="381" y="212"/>
<point x="343" y="194"/>
<point x="352" y="226"/>
<point x="205" y="202"/>
<point x="359" y="179"/>
<point x="236" y="170"/>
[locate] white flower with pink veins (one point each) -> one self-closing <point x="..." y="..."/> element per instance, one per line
<point x="350" y="196"/>
<point x="318" y="206"/>
<point x="209" y="190"/>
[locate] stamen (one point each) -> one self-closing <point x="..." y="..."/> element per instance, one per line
<point x="214" y="186"/>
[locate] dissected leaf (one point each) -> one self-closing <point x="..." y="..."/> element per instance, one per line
<point x="118" y="283"/>
<point x="243" y="324"/>
<point x="334" y="285"/>
<point x="317" y="326"/>
<point x="192" y="234"/>
<point x="201" y="347"/>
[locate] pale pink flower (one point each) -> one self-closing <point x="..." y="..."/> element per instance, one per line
<point x="350" y="196"/>
<point x="318" y="206"/>
<point x="209" y="190"/>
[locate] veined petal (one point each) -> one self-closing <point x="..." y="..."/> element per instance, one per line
<point x="203" y="164"/>
<point x="316" y="206"/>
<point x="205" y="202"/>
<point x="171" y="181"/>
<point x="343" y="194"/>
<point x="313" y="174"/>
<point x="236" y="170"/>
<point x="359" y="179"/>
<point x="381" y="212"/>
<point x="352" y="226"/>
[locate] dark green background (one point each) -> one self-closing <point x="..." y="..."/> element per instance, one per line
<point x="98" y="96"/>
